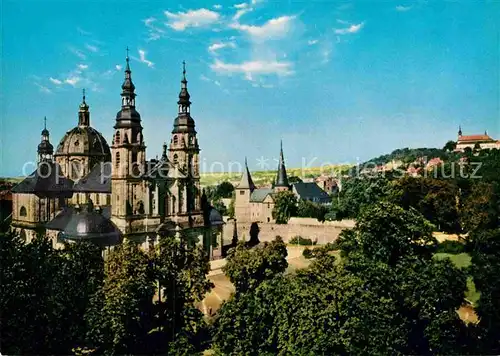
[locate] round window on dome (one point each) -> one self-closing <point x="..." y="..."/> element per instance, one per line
<point x="77" y="143"/>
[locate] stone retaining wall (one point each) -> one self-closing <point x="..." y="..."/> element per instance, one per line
<point x="304" y="227"/>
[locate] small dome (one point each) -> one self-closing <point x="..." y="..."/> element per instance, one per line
<point x="89" y="224"/>
<point x="45" y="132"/>
<point x="85" y="141"/>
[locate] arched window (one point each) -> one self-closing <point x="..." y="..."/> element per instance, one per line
<point x="76" y="170"/>
<point x="98" y="199"/>
<point x="117" y="137"/>
<point x="22" y="211"/>
<point x="176" y="140"/>
<point x="117" y="160"/>
<point x="176" y="158"/>
<point x="108" y="199"/>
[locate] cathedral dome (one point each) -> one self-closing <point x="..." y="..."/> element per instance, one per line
<point x="84" y="141"/>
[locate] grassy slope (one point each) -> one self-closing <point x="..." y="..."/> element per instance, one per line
<point x="463" y="260"/>
<point x="266" y="177"/>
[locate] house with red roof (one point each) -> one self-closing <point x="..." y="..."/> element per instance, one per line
<point x="484" y="141"/>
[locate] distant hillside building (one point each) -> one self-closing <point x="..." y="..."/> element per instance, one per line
<point x="327" y="183"/>
<point x="254" y="204"/>
<point x="484" y="141"/>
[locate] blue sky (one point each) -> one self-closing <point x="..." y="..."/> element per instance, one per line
<point x="337" y="81"/>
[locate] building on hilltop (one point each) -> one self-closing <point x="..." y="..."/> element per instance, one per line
<point x="484" y="141"/>
<point x="91" y="190"/>
<point x="254" y="204"/>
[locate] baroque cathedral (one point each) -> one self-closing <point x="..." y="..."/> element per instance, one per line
<point x="91" y="190"/>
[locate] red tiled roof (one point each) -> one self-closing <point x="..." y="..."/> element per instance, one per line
<point x="469" y="138"/>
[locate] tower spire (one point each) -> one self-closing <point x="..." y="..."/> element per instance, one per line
<point x="246" y="179"/>
<point x="127" y="67"/>
<point x="83" y="112"/>
<point x="45" y="148"/>
<point x="281" y="178"/>
<point x="459" y="130"/>
<point x="184" y="71"/>
<point x="128" y="87"/>
<point x="184" y="103"/>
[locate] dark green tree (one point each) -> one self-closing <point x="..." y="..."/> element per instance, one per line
<point x="224" y="190"/>
<point x="386" y="232"/>
<point x="450" y="146"/>
<point x="484" y="246"/>
<point x="285" y="206"/>
<point x="181" y="272"/>
<point x="481" y="207"/>
<point x="121" y="314"/>
<point x="248" y="267"/>
<point x="45" y="294"/>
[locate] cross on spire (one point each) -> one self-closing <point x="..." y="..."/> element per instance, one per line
<point x="83" y="90"/>
<point x="127" y="52"/>
<point x="184" y="70"/>
<point x="45" y="122"/>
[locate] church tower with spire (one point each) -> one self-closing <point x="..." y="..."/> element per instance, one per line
<point x="184" y="150"/>
<point x="243" y="192"/>
<point x="128" y="160"/>
<point x="45" y="148"/>
<point x="281" y="183"/>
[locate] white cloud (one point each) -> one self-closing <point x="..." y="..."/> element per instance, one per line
<point x="142" y="58"/>
<point x="342" y="22"/>
<point x="241" y="6"/>
<point x="204" y="78"/>
<point x="217" y="6"/>
<point x="403" y="8"/>
<point x="274" y="28"/>
<point x="350" y="29"/>
<point x="149" y="21"/>
<point x="77" y="53"/>
<point x="83" y="66"/>
<point x="214" y="47"/>
<point x="240" y="13"/>
<point x="72" y="80"/>
<point x="83" y="32"/>
<point x="312" y="42"/>
<point x="118" y="67"/>
<point x="250" y="69"/>
<point x="155" y="33"/>
<point x="192" y="18"/>
<point x="55" y="81"/>
<point x="91" y="48"/>
<point x="43" y="89"/>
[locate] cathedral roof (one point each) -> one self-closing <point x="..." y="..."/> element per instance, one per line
<point x="46" y="181"/>
<point x="98" y="180"/>
<point x="83" y="141"/>
<point x="87" y="223"/>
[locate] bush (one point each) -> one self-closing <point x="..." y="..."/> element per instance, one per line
<point x="453" y="247"/>
<point x="299" y="240"/>
<point x="307" y="253"/>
